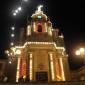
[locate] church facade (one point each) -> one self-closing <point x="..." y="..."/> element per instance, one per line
<point x="42" y="57"/>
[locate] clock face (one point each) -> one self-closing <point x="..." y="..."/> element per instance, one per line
<point x="39" y="17"/>
<point x="41" y="66"/>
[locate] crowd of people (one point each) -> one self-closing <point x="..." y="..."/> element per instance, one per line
<point x="23" y="79"/>
<point x="5" y="79"/>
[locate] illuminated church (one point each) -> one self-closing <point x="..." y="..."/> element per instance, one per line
<point x="42" y="57"/>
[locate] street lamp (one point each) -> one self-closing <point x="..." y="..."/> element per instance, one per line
<point x="80" y="51"/>
<point x="77" y="52"/>
<point x="11" y="43"/>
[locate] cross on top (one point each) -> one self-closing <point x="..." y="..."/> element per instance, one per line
<point x="39" y="7"/>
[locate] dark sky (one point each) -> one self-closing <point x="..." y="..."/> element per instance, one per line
<point x="68" y="15"/>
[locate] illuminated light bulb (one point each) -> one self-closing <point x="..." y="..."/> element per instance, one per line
<point x="14" y="14"/>
<point x="10" y="62"/>
<point x="11" y="54"/>
<point x="12" y="28"/>
<point x="19" y="8"/>
<point x="12" y="35"/>
<point x="16" y="11"/>
<point x="7" y="52"/>
<point x="77" y="52"/>
<point x="82" y="50"/>
<point x="12" y="43"/>
<point x="18" y="51"/>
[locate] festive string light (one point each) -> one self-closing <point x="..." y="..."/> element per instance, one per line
<point x="18" y="51"/>
<point x="14" y="14"/>
<point x="10" y="62"/>
<point x="19" y="8"/>
<point x="12" y="43"/>
<point x="13" y="28"/>
<point x="25" y="0"/>
<point x="12" y="35"/>
<point x="16" y="11"/>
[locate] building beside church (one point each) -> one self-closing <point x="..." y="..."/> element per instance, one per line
<point x="42" y="56"/>
<point x="2" y="68"/>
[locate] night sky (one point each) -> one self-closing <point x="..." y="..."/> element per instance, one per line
<point x="67" y="15"/>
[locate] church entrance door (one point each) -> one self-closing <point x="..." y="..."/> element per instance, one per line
<point x="41" y="76"/>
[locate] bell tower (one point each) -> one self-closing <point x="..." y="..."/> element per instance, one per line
<point x="39" y="21"/>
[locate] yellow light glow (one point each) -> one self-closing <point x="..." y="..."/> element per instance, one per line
<point x="18" y="67"/>
<point x="52" y="70"/>
<point x="34" y="26"/>
<point x="18" y="51"/>
<point x="77" y="52"/>
<point x="7" y="52"/>
<point x="28" y="30"/>
<point x="46" y="27"/>
<point x="61" y="36"/>
<point x="50" y="31"/>
<point x="46" y="43"/>
<point x="59" y="78"/>
<point x="13" y="49"/>
<point x="52" y="66"/>
<point x="62" y="69"/>
<point x="24" y="77"/>
<point x="12" y="43"/>
<point x="82" y="50"/>
<point x="11" y="54"/>
<point x="10" y="62"/>
<point x="30" y="67"/>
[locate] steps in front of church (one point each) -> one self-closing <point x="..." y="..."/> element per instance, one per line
<point x="46" y="83"/>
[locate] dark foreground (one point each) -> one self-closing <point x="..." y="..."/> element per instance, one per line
<point x="46" y="83"/>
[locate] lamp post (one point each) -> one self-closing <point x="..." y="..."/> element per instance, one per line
<point x="80" y="51"/>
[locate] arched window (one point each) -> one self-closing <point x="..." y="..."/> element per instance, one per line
<point x="39" y="28"/>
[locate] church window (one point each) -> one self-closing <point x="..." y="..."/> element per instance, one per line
<point x="39" y="28"/>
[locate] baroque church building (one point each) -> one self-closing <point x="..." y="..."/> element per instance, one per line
<point x="42" y="57"/>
